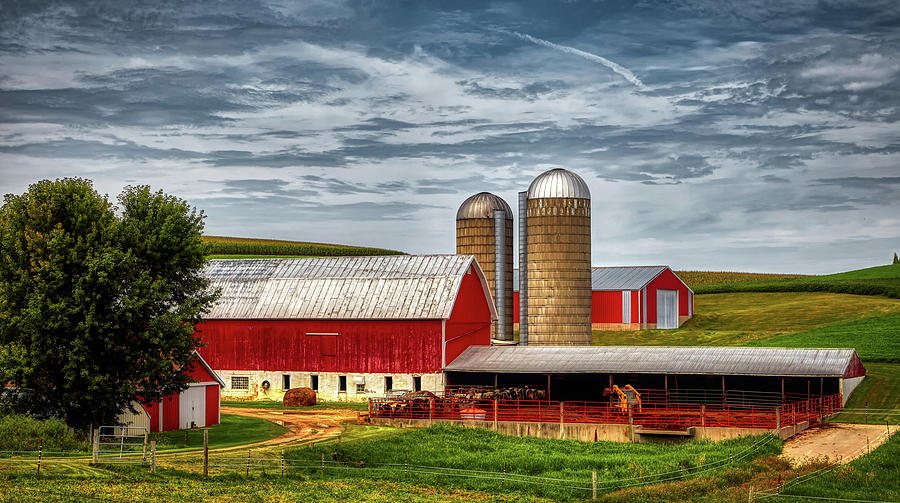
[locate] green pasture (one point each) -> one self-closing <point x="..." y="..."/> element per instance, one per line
<point x="737" y="319"/>
<point x="475" y="459"/>
<point x="881" y="280"/>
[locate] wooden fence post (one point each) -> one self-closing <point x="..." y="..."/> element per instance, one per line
<point x="562" y="427"/>
<point x="495" y="414"/>
<point x="153" y="456"/>
<point x="95" y="451"/>
<point x="630" y="424"/>
<point x="323" y="464"/>
<point x="205" y="453"/>
<point x="248" y="462"/>
<point x="40" y="455"/>
<point x="144" y="449"/>
<point x="594" y="485"/>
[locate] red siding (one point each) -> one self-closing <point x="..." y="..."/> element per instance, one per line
<point x="636" y="306"/>
<point x="212" y="404"/>
<point x="152" y="411"/>
<point x="470" y="321"/>
<point x="855" y="368"/>
<point x="515" y="307"/>
<point x="199" y="373"/>
<point x="606" y="306"/>
<point x="395" y="346"/>
<point x="666" y="281"/>
<point x="170" y="412"/>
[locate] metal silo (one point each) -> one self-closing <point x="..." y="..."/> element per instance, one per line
<point x="558" y="260"/>
<point x="484" y="229"/>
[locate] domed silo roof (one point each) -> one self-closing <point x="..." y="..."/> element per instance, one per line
<point x="558" y="183"/>
<point x="482" y="205"/>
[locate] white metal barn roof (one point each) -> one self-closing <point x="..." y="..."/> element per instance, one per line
<point x="374" y="288"/>
<point x="616" y="278"/>
<point x="655" y="360"/>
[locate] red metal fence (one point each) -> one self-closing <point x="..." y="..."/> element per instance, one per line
<point x="650" y="415"/>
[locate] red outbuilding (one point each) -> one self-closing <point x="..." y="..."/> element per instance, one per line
<point x="634" y="298"/>
<point x="347" y="327"/>
<point x="195" y="407"/>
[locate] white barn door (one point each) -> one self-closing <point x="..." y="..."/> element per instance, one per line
<point x="667" y="309"/>
<point x="192" y="407"/>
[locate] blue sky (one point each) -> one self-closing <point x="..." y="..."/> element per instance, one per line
<point x="742" y="135"/>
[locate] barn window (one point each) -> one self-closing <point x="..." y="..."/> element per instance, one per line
<point x="342" y="384"/>
<point x="417" y="383"/>
<point x="388" y="383"/>
<point x="286" y="381"/>
<point x="360" y="382"/>
<point x="240" y="382"/>
<point x="314" y="383"/>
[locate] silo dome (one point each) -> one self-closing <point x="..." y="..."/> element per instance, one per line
<point x="558" y="183"/>
<point x="482" y="205"/>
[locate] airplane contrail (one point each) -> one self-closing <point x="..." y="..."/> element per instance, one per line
<point x="621" y="70"/>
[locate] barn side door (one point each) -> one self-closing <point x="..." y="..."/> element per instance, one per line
<point x="667" y="309"/>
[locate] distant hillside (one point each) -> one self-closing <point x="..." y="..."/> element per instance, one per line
<point x="880" y="280"/>
<point x="230" y="247"/>
<point x="697" y="278"/>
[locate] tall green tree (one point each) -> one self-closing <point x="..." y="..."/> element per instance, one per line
<point x="97" y="305"/>
<point x="896" y="258"/>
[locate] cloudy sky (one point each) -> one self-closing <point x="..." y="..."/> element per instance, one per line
<point x="739" y="135"/>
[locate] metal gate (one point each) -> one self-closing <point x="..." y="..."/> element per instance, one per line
<point x="667" y="309"/>
<point x="121" y="444"/>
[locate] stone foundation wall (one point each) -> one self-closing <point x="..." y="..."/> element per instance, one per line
<point x="373" y="385"/>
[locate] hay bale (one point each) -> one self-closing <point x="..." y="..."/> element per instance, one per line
<point x="300" y="397"/>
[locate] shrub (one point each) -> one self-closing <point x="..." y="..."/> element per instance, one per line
<point x="22" y="433"/>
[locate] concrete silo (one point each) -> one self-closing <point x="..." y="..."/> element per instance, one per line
<point x="484" y="228"/>
<point x="558" y="257"/>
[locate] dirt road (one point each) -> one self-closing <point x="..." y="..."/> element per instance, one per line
<point x="834" y="440"/>
<point x="303" y="425"/>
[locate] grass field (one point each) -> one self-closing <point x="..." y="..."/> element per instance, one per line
<point x="876" y="339"/>
<point x="879" y="390"/>
<point x="880" y="280"/>
<point x="230" y="247"/>
<point x="473" y="459"/>
<point x="735" y="319"/>
<point x="233" y="430"/>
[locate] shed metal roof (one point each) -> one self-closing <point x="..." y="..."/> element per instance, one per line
<point x="616" y="278"/>
<point x="383" y="287"/>
<point x="654" y="360"/>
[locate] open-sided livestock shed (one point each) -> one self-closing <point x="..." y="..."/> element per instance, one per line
<point x="634" y="298"/>
<point x="347" y="327"/>
<point x="719" y="373"/>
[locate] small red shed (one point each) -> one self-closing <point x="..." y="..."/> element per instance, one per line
<point x="635" y="298"/>
<point x="195" y="407"/>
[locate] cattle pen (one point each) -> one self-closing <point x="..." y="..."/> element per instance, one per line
<point x="655" y="417"/>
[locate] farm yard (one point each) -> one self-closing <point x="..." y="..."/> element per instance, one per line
<point x="375" y="463"/>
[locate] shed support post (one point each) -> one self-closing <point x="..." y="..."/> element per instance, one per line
<point x="778" y="420"/>
<point x="548" y="386"/>
<point x="723" y="391"/>
<point x="782" y="391"/>
<point x="666" y="381"/>
<point x="703" y="416"/>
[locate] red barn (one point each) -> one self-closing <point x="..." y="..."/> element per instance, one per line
<point x="347" y="327"/>
<point x="634" y="298"/>
<point x="195" y="407"/>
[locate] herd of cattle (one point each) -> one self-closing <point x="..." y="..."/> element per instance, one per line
<point x="422" y="404"/>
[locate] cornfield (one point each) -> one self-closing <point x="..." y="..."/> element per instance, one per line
<point x="219" y="245"/>
<point x="696" y="278"/>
